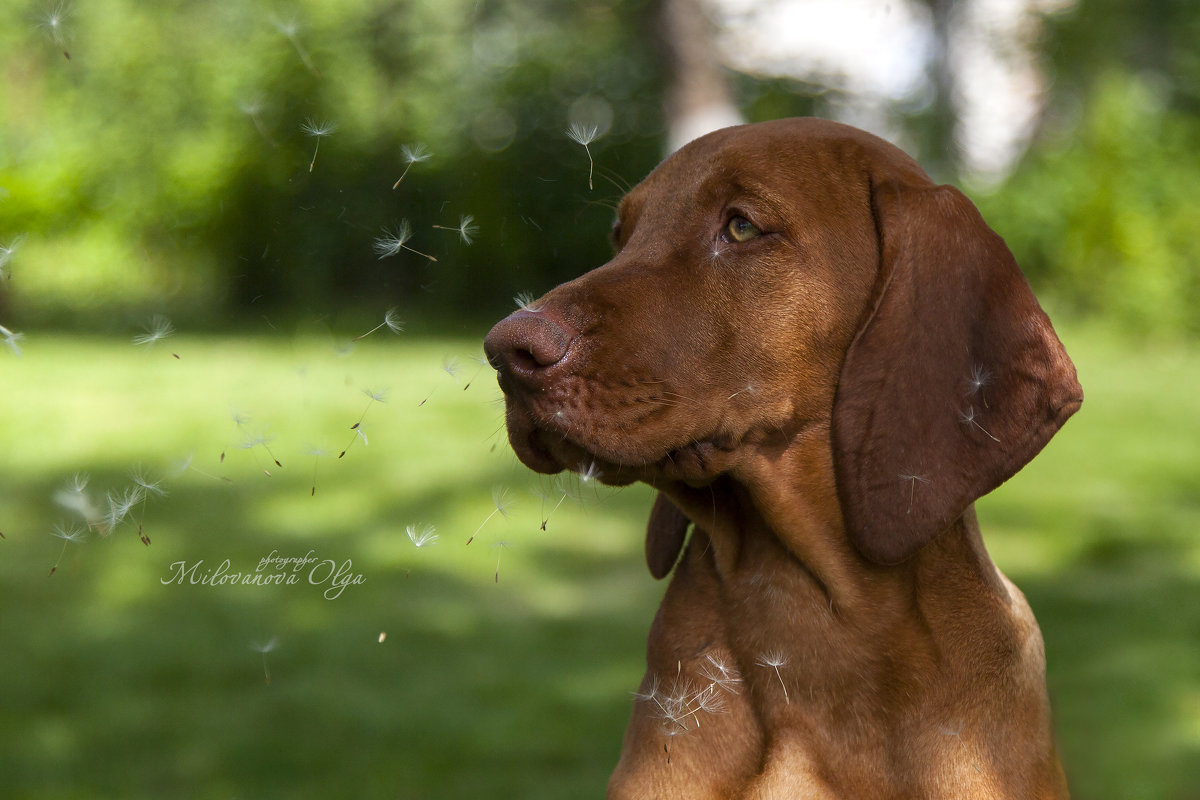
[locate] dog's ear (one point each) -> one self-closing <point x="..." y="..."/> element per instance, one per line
<point x="665" y="534"/>
<point x="953" y="382"/>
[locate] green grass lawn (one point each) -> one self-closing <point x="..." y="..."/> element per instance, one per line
<point x="437" y="676"/>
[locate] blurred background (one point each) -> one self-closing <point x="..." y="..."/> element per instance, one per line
<point x="248" y="253"/>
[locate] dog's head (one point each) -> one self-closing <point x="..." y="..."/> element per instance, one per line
<point x="784" y="277"/>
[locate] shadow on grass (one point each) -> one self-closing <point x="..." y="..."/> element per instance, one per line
<point x="118" y="685"/>
<point x="1122" y="631"/>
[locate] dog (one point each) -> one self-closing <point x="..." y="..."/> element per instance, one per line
<point x="819" y="359"/>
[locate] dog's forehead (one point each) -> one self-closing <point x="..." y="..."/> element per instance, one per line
<point x="801" y="156"/>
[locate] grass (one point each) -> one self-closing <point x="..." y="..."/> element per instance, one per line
<point x="117" y="684"/>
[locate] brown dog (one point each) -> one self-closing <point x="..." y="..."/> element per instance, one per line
<point x="820" y="360"/>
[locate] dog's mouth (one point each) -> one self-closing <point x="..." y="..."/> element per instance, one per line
<point x="551" y="446"/>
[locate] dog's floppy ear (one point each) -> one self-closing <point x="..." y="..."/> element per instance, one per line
<point x="665" y="533"/>
<point x="954" y="381"/>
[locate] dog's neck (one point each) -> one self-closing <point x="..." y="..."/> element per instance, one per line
<point x="780" y="555"/>
<point x="786" y="500"/>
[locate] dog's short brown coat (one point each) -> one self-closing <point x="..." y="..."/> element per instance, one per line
<point x="822" y="397"/>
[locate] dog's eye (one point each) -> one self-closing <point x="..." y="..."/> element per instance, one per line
<point x="741" y="229"/>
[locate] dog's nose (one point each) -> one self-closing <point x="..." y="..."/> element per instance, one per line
<point x="524" y="344"/>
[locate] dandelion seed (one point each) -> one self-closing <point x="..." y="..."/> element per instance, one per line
<point x="252" y="107"/>
<point x="774" y="660"/>
<point x="542" y="495"/>
<point x="119" y="506"/>
<point x="159" y="328"/>
<point x="716" y="253"/>
<point x="317" y="131"/>
<point x="968" y="418"/>
<point x="54" y="23"/>
<point x="450" y="367"/>
<point x="69" y="535"/>
<point x="187" y="464"/>
<point x="391" y="321"/>
<point x="482" y="362"/>
<point x="587" y="471"/>
<point x="316" y="453"/>
<point x="393" y="241"/>
<point x="584" y="135"/>
<point x="6" y="254"/>
<point x="264" y="441"/>
<point x="264" y="648"/>
<point x="467" y="229"/>
<point x="747" y="389"/>
<point x="11" y="338"/>
<point x="912" y="490"/>
<point x="290" y="28"/>
<point x="374" y="396"/>
<point x="412" y="154"/>
<point x="524" y="302"/>
<point x="499" y="547"/>
<point x="422" y="535"/>
<point x="978" y="382"/>
<point x="74" y="498"/>
<point x="501" y="502"/>
<point x="149" y="487"/>
<point x="720" y="673"/>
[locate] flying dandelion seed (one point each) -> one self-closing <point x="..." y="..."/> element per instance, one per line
<point x="584" y="135"/>
<point x="119" y="506"/>
<point x="524" y="302"/>
<point x="482" y="362"/>
<point x="393" y="241"/>
<point x="252" y="107"/>
<point x="290" y="28"/>
<point x="774" y="660"/>
<point x="543" y="496"/>
<point x="264" y="441"/>
<point x="374" y="396"/>
<point x="499" y="547"/>
<point x="146" y="487"/>
<point x="157" y="329"/>
<point x="187" y="464"/>
<point x="450" y="367"/>
<point x="264" y="648"/>
<point x="467" y="229"/>
<point x="6" y="253"/>
<point x="316" y="453"/>
<point x="70" y="534"/>
<point x="501" y="503"/>
<point x="75" y="498"/>
<point x="317" y="131"/>
<point x="391" y="321"/>
<point x="412" y="154"/>
<point x="11" y="338"/>
<point x="54" y="22"/>
<point x="422" y="535"/>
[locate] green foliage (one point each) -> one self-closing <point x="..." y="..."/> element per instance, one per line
<point x="1104" y="213"/>
<point x="162" y="164"/>
<point x="1103" y="210"/>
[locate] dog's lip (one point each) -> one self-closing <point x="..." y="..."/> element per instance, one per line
<point x="549" y="451"/>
